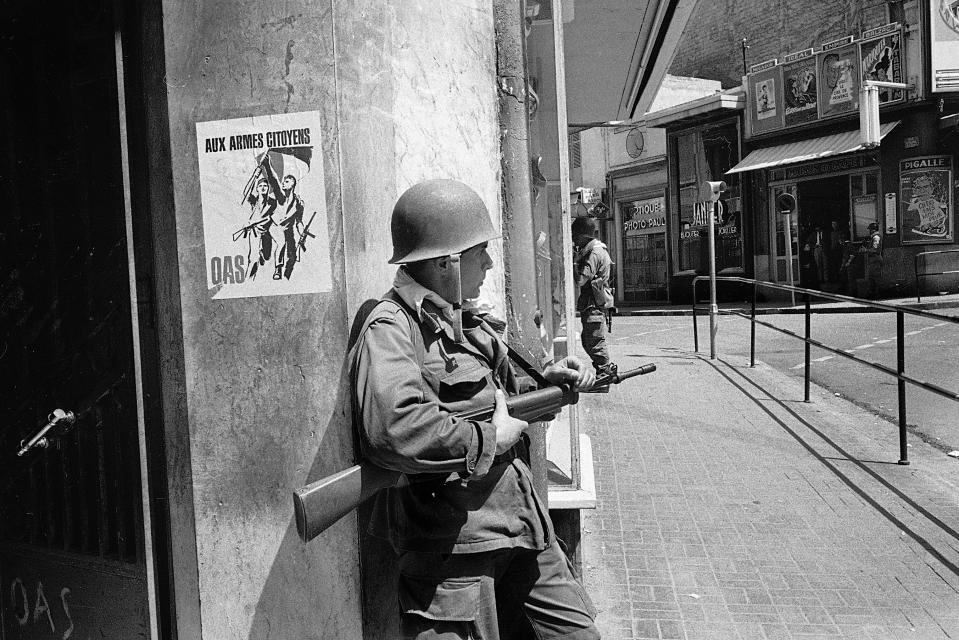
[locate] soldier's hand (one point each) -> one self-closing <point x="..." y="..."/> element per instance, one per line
<point x="508" y="428"/>
<point x="570" y="370"/>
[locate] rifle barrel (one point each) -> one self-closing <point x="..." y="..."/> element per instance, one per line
<point x="618" y="377"/>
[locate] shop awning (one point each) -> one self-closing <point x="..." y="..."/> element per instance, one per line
<point x="803" y="150"/>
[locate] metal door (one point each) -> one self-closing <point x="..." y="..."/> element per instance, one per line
<point x="72" y="545"/>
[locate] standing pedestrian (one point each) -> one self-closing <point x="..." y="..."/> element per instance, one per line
<point x="872" y="249"/>
<point x="837" y="238"/>
<point x="817" y="242"/>
<point x="478" y="555"/>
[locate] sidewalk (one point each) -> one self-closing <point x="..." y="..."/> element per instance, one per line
<point x="729" y="508"/>
<point x="927" y="302"/>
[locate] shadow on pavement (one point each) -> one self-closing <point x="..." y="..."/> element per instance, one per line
<point x="743" y="383"/>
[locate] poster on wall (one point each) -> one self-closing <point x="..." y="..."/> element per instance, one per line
<point x="944" y="46"/>
<point x="880" y="56"/>
<point x="263" y="197"/>
<point x="799" y="82"/>
<point x="838" y="80"/>
<point x="765" y="101"/>
<point x="925" y="197"/>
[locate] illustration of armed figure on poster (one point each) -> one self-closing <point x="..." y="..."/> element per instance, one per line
<point x="275" y="231"/>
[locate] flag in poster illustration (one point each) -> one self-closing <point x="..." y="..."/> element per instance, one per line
<point x="264" y="206"/>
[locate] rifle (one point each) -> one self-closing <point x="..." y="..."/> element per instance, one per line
<point x="318" y="505"/>
<point x="243" y="232"/>
<point x="301" y="243"/>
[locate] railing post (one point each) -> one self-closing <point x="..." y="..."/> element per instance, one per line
<point x="808" y="324"/>
<point x="901" y="384"/>
<point x="752" y="330"/>
<point x="695" y="320"/>
<point x="915" y="269"/>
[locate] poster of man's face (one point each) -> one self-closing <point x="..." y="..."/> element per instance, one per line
<point x="839" y="81"/>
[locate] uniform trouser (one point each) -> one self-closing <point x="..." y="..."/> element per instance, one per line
<point x="494" y="595"/>
<point x="594" y="337"/>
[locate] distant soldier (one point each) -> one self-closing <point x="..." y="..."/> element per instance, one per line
<point x="592" y="273"/>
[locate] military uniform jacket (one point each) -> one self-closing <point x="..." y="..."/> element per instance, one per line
<point x="461" y="497"/>
<point x="593" y="277"/>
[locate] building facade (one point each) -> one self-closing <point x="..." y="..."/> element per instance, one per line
<point x="798" y="131"/>
<point x="624" y="169"/>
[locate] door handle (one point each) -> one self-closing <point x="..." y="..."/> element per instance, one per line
<point x="41" y="439"/>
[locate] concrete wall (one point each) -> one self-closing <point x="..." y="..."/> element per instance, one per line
<point x="405" y="91"/>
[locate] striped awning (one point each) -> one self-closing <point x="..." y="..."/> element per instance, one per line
<point x="810" y="149"/>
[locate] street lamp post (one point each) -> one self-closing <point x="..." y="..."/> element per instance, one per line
<point x="709" y="193"/>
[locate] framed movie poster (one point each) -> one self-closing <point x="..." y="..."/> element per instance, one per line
<point x="838" y="80"/>
<point x="926" y="202"/>
<point x="765" y="100"/>
<point x="880" y="54"/>
<point x="799" y="88"/>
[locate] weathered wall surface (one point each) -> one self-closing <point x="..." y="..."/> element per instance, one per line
<point x="711" y="46"/>
<point x="406" y="91"/>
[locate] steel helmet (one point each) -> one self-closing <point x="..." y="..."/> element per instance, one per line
<point x="438" y="218"/>
<point x="583" y="226"/>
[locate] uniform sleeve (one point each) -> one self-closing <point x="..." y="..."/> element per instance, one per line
<point x="404" y="427"/>
<point x="587" y="270"/>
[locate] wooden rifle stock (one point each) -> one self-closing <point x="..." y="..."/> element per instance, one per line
<point x="320" y="504"/>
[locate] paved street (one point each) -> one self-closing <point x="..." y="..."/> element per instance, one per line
<point x="932" y="349"/>
<point x="729" y="508"/>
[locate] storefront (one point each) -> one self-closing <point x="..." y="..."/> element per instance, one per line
<point x="638" y="233"/>
<point x="802" y="122"/>
<point x="644" y="248"/>
<point x="703" y="143"/>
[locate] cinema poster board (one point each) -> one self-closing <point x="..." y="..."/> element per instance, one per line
<point x="765" y="104"/>
<point x="800" y="96"/>
<point x="838" y="81"/>
<point x="881" y="59"/>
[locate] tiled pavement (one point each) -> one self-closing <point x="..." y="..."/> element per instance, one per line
<point x="729" y="508"/>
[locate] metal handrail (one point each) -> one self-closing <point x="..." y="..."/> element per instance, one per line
<point x="869" y="305"/>
<point x="915" y="268"/>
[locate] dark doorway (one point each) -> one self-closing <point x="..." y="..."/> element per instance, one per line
<point x="823" y="226"/>
<point x="72" y="545"/>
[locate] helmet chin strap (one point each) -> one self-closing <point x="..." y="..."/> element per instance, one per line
<point x="457" y="298"/>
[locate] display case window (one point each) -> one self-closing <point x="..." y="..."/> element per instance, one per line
<point x="711" y="151"/>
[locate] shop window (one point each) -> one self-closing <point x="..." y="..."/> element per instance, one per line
<point x="707" y="155"/>
<point x="864" y="192"/>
